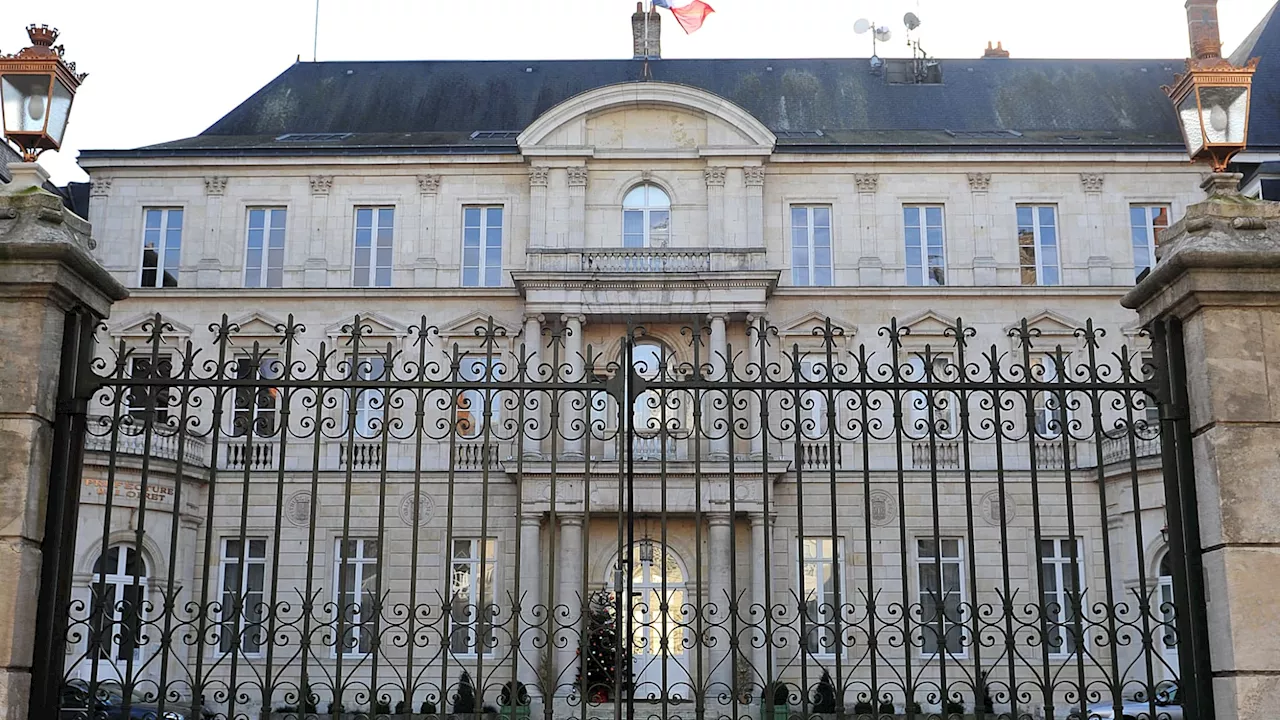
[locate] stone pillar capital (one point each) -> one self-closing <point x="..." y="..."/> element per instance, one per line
<point x="215" y="185"/>
<point x="429" y="184"/>
<point x="753" y="176"/>
<point x="867" y="183"/>
<point x="719" y="518"/>
<point x="539" y="175"/>
<point x="979" y="182"/>
<point x="715" y="176"/>
<point x="577" y="176"/>
<point x="569" y="519"/>
<point x="531" y="519"/>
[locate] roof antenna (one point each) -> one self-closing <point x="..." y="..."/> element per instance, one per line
<point x="315" y="40"/>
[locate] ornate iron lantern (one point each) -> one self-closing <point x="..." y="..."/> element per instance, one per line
<point x="36" y="90"/>
<point x="1212" y="96"/>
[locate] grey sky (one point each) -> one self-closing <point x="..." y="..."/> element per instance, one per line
<point x="165" y="69"/>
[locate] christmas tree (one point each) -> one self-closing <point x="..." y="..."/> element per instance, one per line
<point x="598" y="671"/>
<point x="465" y="701"/>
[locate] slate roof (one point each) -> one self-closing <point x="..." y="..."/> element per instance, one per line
<point x="1264" y="101"/>
<point x="813" y="105"/>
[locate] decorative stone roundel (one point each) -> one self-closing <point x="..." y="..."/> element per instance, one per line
<point x="884" y="509"/>
<point x="989" y="508"/>
<point x="426" y="507"/>
<point x="297" y="508"/>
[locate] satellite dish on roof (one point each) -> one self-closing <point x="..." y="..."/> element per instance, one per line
<point x="862" y="26"/>
<point x="911" y="20"/>
<point x="883" y="33"/>
<point x="876" y="63"/>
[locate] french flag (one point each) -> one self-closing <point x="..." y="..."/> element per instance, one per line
<point x="689" y="13"/>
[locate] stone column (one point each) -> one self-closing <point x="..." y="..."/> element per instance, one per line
<point x="984" y="261"/>
<point x="535" y="403"/>
<point x="715" y="207"/>
<point x="538" y="177"/>
<point x="755" y="343"/>
<point x="759" y="599"/>
<point x="718" y="414"/>
<point x="531" y="597"/>
<point x="719" y="538"/>
<point x="426" y="266"/>
<point x="577" y="206"/>
<point x="572" y="407"/>
<point x="209" y="266"/>
<point x="1099" y="261"/>
<point x="871" y="264"/>
<point x="52" y="293"/>
<point x="1214" y="298"/>
<point x="753" y="177"/>
<point x="569" y="600"/>
<point x="315" y="269"/>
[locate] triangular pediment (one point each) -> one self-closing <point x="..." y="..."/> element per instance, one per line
<point x="257" y="326"/>
<point x="812" y="323"/>
<point x="474" y="325"/>
<point x="372" y="325"/>
<point x="141" y="327"/>
<point x="1050" y="324"/>
<point x="928" y="324"/>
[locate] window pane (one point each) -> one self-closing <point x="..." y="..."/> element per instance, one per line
<point x="933" y="216"/>
<point x="799" y="217"/>
<point x="822" y="216"/>
<point x="471" y="217"/>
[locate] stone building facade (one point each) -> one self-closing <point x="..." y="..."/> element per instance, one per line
<point x="572" y="200"/>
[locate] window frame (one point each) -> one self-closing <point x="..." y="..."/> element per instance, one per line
<point x="929" y="628"/>
<point x="113" y="618"/>
<point x="374" y="229"/>
<point x="1061" y="627"/>
<point x="646" y="212"/>
<point x="942" y="361"/>
<point x="1038" y="245"/>
<point x="368" y="367"/>
<point x="268" y="233"/>
<point x="354" y="627"/>
<point x="254" y="409"/>
<point x="1045" y="401"/>
<point x="922" y="227"/>
<point x="1151" y="233"/>
<point x="810" y="247"/>
<point x="485" y="369"/>
<point x="241" y="622"/>
<point x="162" y="249"/>
<point x="483" y="267"/>
<point x="839" y="581"/>
<point x="814" y="370"/>
<point x="476" y="563"/>
<point x="163" y="395"/>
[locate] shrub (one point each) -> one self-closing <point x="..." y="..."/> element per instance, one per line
<point x="863" y="707"/>
<point x="824" y="696"/>
<point x="953" y="707"/>
<point x="382" y="707"/>
<point x="465" y="701"/>
<point x="427" y="707"/>
<point x="886" y="707"/>
<point x="513" y="693"/>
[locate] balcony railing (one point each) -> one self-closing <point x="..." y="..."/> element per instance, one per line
<point x="942" y="455"/>
<point x="1116" y="449"/>
<point x="646" y="260"/>
<point x="131" y="440"/>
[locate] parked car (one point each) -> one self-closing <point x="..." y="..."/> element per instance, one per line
<point x="108" y="704"/>
<point x="1168" y="707"/>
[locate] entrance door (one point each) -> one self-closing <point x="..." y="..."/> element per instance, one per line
<point x="660" y="620"/>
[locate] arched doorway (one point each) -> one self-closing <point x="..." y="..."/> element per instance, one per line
<point x="661" y="617"/>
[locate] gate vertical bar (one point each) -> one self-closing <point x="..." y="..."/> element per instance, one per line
<point x="75" y="386"/>
<point x="1184" y="523"/>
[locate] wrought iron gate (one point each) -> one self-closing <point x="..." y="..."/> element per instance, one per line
<point x="936" y="521"/>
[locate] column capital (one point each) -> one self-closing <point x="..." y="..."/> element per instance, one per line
<point x="569" y="519"/>
<point x="720" y="316"/>
<point x="429" y="184"/>
<point x="719" y="518"/>
<point x="321" y="184"/>
<point x="539" y="175"/>
<point x="531" y="519"/>
<point x="580" y="319"/>
<point x="753" y="176"/>
<point x="867" y="183"/>
<point x="1092" y="182"/>
<point x="715" y="175"/>
<point x="979" y="182"/>
<point x="215" y="185"/>
<point x="577" y="175"/>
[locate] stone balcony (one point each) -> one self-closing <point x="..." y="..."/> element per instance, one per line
<point x="646" y="260"/>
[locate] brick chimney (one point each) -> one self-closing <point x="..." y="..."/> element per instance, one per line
<point x="1202" y="24"/>
<point x="654" y="51"/>
<point x="995" y="52"/>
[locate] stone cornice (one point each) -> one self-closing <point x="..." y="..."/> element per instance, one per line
<point x="645" y="281"/>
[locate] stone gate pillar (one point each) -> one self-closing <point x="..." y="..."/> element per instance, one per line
<point x="1213" y="304"/>
<point x="52" y="293"/>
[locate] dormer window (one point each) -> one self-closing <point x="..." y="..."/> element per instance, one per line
<point x="646" y="217"/>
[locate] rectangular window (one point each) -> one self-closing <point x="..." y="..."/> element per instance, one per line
<point x="161" y="247"/>
<point x="370" y="403"/>
<point x="813" y="403"/>
<point x="926" y="255"/>
<point x="945" y="405"/>
<point x="243" y="568"/>
<point x="473" y="606"/>
<point x="1038" y="245"/>
<point x="822" y="594"/>
<point x="1146" y="224"/>
<point x="375" y="230"/>
<point x="811" y="245"/>
<point x="474" y="402"/>
<point x="1048" y="403"/>
<point x="1058" y="589"/>
<point x="940" y="578"/>
<point x="255" y="405"/>
<point x="138" y="397"/>
<point x="482" y="246"/>
<point x="355" y="592"/>
<point x="264" y="253"/>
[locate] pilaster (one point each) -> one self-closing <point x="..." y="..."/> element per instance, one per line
<point x="315" y="271"/>
<point x="753" y="178"/>
<point x="984" y="261"/>
<point x="538" y="178"/>
<point x="426" y="267"/>
<point x="577" y="176"/>
<point x="871" y="264"/>
<point x="714" y="177"/>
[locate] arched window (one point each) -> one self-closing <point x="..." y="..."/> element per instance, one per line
<point x="118" y="589"/>
<point x="1167" y="632"/>
<point x="646" y="217"/>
